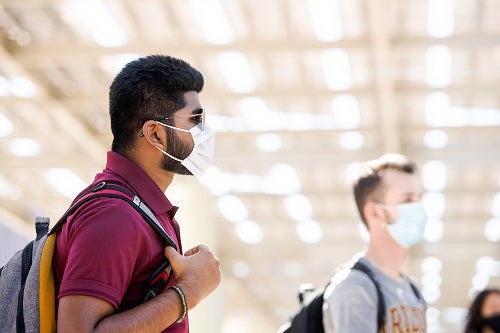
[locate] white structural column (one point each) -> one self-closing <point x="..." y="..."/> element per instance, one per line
<point x="197" y="220"/>
<point x="379" y="20"/>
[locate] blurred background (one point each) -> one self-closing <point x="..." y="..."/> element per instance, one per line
<point x="299" y="92"/>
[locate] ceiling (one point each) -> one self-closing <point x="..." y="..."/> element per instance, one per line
<point x="406" y="77"/>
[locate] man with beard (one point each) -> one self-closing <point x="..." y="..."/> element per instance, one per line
<point x="106" y="252"/>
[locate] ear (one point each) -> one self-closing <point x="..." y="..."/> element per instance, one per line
<point x="372" y="214"/>
<point x="154" y="134"/>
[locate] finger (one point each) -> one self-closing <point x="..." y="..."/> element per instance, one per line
<point x="199" y="248"/>
<point x="170" y="253"/>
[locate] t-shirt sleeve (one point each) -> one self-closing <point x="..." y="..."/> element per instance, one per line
<point x="105" y="248"/>
<point x="350" y="304"/>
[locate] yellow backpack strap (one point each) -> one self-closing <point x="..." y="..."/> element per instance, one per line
<point x="47" y="295"/>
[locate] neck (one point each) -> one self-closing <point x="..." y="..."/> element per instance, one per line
<point x="151" y="165"/>
<point x="388" y="259"/>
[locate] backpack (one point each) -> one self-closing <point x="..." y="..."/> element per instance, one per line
<point x="309" y="317"/>
<point x="27" y="291"/>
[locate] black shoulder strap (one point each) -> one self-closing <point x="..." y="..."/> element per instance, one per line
<point x="381" y="303"/>
<point x="104" y="189"/>
<point x="414" y="288"/>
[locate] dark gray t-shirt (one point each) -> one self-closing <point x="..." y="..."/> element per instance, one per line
<point x="351" y="303"/>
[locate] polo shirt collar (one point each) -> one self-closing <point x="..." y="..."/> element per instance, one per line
<point x="142" y="184"/>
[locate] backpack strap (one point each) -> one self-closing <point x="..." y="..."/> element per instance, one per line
<point x="159" y="279"/>
<point x="381" y="303"/>
<point x="104" y="189"/>
<point x="25" y="269"/>
<point x="417" y="292"/>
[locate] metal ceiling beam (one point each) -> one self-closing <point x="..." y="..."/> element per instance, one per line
<point x="90" y="53"/>
<point x="100" y="96"/>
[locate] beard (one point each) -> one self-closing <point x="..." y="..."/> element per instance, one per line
<point x="178" y="149"/>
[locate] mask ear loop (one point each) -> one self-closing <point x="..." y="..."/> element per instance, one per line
<point x="164" y="152"/>
<point x="386" y="215"/>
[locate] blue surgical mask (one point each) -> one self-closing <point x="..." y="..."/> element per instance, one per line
<point x="409" y="228"/>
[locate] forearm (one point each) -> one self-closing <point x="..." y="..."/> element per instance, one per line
<point x="85" y="314"/>
<point x="153" y="316"/>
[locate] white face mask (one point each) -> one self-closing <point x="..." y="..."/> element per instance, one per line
<point x="409" y="228"/>
<point x="202" y="155"/>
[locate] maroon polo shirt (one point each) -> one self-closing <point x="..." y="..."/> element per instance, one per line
<point x="107" y="250"/>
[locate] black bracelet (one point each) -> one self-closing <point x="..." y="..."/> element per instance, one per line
<point x="179" y="292"/>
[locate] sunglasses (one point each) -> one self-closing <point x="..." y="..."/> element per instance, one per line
<point x="198" y="118"/>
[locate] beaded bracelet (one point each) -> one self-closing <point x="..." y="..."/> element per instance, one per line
<point x="179" y="292"/>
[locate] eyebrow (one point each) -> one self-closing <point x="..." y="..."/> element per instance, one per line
<point x="198" y="111"/>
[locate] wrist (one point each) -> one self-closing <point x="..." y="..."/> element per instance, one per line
<point x="190" y="292"/>
<point x="182" y="297"/>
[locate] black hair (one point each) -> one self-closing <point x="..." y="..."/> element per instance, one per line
<point x="151" y="87"/>
<point x="474" y="321"/>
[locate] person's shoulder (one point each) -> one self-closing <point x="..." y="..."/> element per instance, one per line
<point x="107" y="214"/>
<point x="348" y="282"/>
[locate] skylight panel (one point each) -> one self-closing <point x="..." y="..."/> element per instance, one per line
<point x="213" y="21"/>
<point x="232" y="208"/>
<point x="326" y="20"/>
<point x="352" y="171"/>
<point x="483" y="117"/>
<point x="438" y="66"/>
<point x="441" y="17"/>
<point x="241" y="270"/>
<point x="256" y="114"/>
<point x="100" y="22"/>
<point x="269" y="142"/>
<point x="24" y="147"/>
<point x="431" y="278"/>
<point x="22" y="87"/>
<point x="434" y="203"/>
<point x="438" y="111"/>
<point x="495" y="205"/>
<point x="345" y="110"/>
<point x="236" y="71"/>
<point x="492" y="229"/>
<point x="309" y="231"/>
<point x="283" y="179"/>
<point x="113" y="64"/>
<point x="484" y="267"/>
<point x="351" y="140"/>
<point x="435" y="139"/>
<point x="8" y="190"/>
<point x="249" y="232"/>
<point x="434" y="230"/>
<point x="65" y="181"/>
<point x="217" y="182"/>
<point x="17" y="86"/>
<point x="434" y="176"/>
<point x="337" y="69"/>
<point x="6" y="126"/>
<point x="4" y="86"/>
<point x="298" y="207"/>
